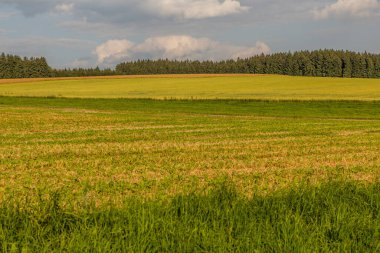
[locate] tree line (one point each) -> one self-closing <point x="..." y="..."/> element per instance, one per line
<point x="12" y="66"/>
<point x="321" y="63"/>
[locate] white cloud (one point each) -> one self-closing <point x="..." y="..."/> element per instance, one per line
<point x="178" y="47"/>
<point x="64" y="7"/>
<point x="194" y="9"/>
<point x="174" y="47"/>
<point x="353" y="8"/>
<point x="113" y="49"/>
<point x="260" y="47"/>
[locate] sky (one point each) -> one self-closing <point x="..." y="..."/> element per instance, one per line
<point x="90" y="33"/>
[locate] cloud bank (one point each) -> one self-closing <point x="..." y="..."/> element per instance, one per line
<point x="179" y="47"/>
<point x="64" y="7"/>
<point x="194" y="9"/>
<point x="349" y="8"/>
<point x="182" y="9"/>
<point x="216" y="26"/>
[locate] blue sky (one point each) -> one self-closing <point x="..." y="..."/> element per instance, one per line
<point x="87" y="33"/>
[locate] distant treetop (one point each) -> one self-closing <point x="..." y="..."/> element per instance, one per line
<point x="324" y="63"/>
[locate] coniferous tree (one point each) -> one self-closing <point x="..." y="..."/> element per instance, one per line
<point x="322" y="63"/>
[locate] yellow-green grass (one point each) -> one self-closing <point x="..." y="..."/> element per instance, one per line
<point x="140" y="175"/>
<point x="201" y="87"/>
<point x="107" y="150"/>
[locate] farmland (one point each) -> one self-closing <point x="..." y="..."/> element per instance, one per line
<point x="159" y="164"/>
<point x="198" y="87"/>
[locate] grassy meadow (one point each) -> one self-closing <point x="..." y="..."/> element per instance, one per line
<point x="199" y="87"/>
<point x="104" y="169"/>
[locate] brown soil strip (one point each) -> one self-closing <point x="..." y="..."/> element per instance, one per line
<point x="25" y="80"/>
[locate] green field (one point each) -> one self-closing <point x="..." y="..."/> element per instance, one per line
<point x="145" y="175"/>
<point x="233" y="87"/>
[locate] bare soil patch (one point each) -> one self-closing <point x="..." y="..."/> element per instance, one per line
<point x="26" y="80"/>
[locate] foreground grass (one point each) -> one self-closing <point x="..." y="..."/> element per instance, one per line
<point x="99" y="175"/>
<point x="104" y="150"/>
<point x="224" y="87"/>
<point x="333" y="217"/>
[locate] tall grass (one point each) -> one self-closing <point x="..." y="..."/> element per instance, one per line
<point x="334" y="216"/>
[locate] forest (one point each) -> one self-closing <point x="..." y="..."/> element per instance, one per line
<point x="12" y="66"/>
<point x="318" y="63"/>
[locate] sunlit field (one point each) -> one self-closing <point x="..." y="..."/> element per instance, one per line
<point x="105" y="170"/>
<point x="199" y="87"/>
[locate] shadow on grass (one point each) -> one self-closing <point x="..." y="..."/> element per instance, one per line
<point x="333" y="109"/>
<point x="335" y="216"/>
